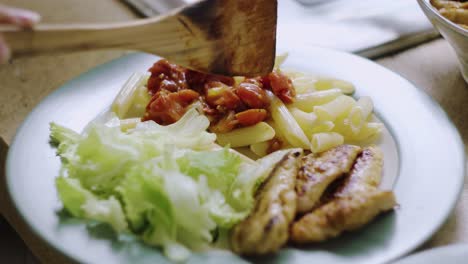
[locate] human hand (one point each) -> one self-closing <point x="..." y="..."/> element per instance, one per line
<point x="18" y="17"/>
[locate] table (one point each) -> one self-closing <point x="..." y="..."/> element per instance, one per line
<point x="432" y="67"/>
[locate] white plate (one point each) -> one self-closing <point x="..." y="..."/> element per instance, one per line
<point x="454" y="254"/>
<point x="423" y="152"/>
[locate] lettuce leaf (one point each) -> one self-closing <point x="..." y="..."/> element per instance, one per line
<point x="82" y="203"/>
<point x="161" y="183"/>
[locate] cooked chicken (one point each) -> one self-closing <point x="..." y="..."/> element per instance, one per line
<point x="366" y="173"/>
<point x="353" y="205"/>
<point x="318" y="171"/>
<point x="341" y="214"/>
<point x="266" y="229"/>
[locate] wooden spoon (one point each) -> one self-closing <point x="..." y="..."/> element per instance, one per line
<point x="228" y="37"/>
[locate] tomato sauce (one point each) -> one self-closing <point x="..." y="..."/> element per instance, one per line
<point x="228" y="105"/>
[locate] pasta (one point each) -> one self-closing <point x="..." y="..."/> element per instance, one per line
<point x="325" y="84"/>
<point x="360" y="113"/>
<point x="302" y="83"/>
<point x="325" y="141"/>
<point x="132" y="98"/>
<point x="286" y="123"/>
<point x="369" y="131"/>
<point x="246" y="136"/>
<point x="318" y="116"/>
<point x="307" y="101"/>
<point x="343" y="127"/>
<point x="324" y="126"/>
<point x="261" y="148"/>
<point x="334" y="109"/>
<point x="307" y="121"/>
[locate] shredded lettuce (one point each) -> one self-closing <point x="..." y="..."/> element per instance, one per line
<point x="164" y="184"/>
<point x="82" y="203"/>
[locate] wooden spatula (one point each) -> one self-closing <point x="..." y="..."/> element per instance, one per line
<point x="229" y="37"/>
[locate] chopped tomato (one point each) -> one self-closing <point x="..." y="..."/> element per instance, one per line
<point x="282" y="87"/>
<point x="207" y="109"/>
<point x="274" y="145"/>
<point x="256" y="80"/>
<point x="225" y="124"/>
<point x="166" y="108"/>
<point x="252" y="94"/>
<point x="187" y="96"/>
<point x="265" y="81"/>
<point x="219" y="94"/>
<point x="251" y="117"/>
<point x="166" y="76"/>
<point x="174" y="88"/>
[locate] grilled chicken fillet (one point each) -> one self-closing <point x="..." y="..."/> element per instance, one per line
<point x="266" y="229"/>
<point x="366" y="173"/>
<point x="318" y="171"/>
<point x="355" y="203"/>
<point x="342" y="214"/>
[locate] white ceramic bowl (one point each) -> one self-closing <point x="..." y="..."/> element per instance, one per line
<point x="454" y="34"/>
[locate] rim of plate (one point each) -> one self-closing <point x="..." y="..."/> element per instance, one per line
<point x="306" y="49"/>
<point x="449" y="250"/>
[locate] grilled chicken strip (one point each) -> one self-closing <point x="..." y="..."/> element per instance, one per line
<point x="342" y="214"/>
<point x="266" y="229"/>
<point x="354" y="204"/>
<point x="318" y="171"/>
<point x="366" y="173"/>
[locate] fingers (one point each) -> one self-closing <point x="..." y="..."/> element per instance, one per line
<point x="19" y="17"/>
<point x="4" y="51"/>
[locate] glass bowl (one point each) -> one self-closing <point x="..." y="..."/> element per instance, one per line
<point x="453" y="33"/>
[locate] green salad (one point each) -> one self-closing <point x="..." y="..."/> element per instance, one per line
<point x="169" y="185"/>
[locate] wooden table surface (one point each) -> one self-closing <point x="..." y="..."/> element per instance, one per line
<point x="432" y="67"/>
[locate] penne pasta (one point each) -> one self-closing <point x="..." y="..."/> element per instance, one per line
<point x="342" y="127"/>
<point x="140" y="100"/>
<point x="307" y="121"/>
<point x="360" y="113"/>
<point x="324" y="141"/>
<point x="307" y="101"/>
<point x="324" y="126"/>
<point x="246" y="136"/>
<point x="279" y="137"/>
<point x="278" y="133"/>
<point x="371" y="130"/>
<point x="320" y="115"/>
<point x="334" y="109"/>
<point x="302" y="83"/>
<point x="286" y="123"/>
<point x="326" y="84"/>
<point x="260" y="148"/>
<point x="130" y="96"/>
